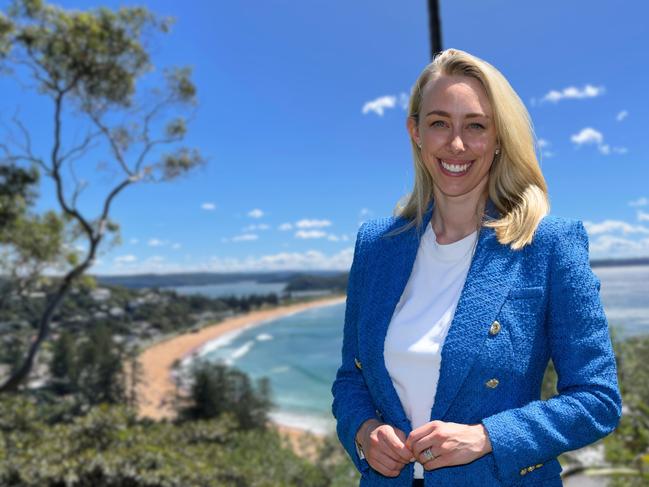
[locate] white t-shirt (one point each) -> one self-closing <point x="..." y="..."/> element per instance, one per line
<point x="421" y="319"/>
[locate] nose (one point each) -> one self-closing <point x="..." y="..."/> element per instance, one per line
<point x="456" y="144"/>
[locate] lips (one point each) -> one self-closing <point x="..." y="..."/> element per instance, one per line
<point x="454" y="167"/>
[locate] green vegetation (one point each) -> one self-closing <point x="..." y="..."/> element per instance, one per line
<point x="311" y="282"/>
<point x="77" y="426"/>
<point x="109" y="447"/>
<point x="217" y="389"/>
<point x="628" y="447"/>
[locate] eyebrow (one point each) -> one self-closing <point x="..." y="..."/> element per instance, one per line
<point x="448" y="115"/>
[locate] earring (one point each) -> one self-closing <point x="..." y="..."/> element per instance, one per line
<point x="497" y="151"/>
<point x="419" y="145"/>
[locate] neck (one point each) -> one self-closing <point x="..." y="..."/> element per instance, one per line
<point x="455" y="217"/>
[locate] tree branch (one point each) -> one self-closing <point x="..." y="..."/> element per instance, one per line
<point x="81" y="149"/>
<point x="117" y="152"/>
<point x="56" y="170"/>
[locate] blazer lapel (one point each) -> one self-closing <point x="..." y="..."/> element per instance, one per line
<point x="487" y="284"/>
<point x="393" y="266"/>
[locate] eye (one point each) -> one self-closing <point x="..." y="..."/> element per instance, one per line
<point x="438" y="123"/>
<point x="476" y="125"/>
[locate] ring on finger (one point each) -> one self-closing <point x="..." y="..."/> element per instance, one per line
<point x="428" y="455"/>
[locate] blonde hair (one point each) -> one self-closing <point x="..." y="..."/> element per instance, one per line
<point x="516" y="185"/>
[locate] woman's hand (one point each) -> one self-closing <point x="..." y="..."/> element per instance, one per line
<point x="450" y="443"/>
<point x="384" y="447"/>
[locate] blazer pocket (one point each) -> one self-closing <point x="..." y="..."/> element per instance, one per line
<point x="525" y="301"/>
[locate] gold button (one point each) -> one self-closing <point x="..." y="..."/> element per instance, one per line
<point x="524" y="471"/>
<point x="358" y="363"/>
<point x="538" y="465"/>
<point x="495" y="328"/>
<point x="530" y="468"/>
<point x="492" y="383"/>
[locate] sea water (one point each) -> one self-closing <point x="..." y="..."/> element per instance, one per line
<point x="300" y="353"/>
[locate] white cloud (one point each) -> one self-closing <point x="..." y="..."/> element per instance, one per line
<point x="208" y="206"/>
<point x="176" y="246"/>
<point x="543" y="144"/>
<point x="378" y="105"/>
<point x="310" y="234"/>
<point x="313" y="223"/>
<point x="245" y="237"/>
<point x="613" y="246"/>
<point x="298" y="261"/>
<point x="124" y="259"/>
<point x="337" y="238"/>
<point x="154" y="242"/>
<point x="285" y="226"/>
<point x="642" y="216"/>
<point x="256" y="213"/>
<point x="309" y="260"/>
<point x="622" y="115"/>
<point x="588" y="91"/>
<point x="133" y="241"/>
<point x="252" y="228"/>
<point x="404" y="99"/>
<point x="590" y="136"/>
<point x="642" y="201"/>
<point x="608" y="226"/>
<point x="155" y="259"/>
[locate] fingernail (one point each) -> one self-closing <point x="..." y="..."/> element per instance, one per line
<point x="412" y="459"/>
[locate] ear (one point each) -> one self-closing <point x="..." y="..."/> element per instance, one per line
<point x="413" y="129"/>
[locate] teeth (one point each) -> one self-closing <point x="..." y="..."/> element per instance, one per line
<point x="455" y="167"/>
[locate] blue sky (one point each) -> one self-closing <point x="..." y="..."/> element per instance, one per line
<point x="300" y="115"/>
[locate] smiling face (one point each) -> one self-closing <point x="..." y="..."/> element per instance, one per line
<point x="457" y="135"/>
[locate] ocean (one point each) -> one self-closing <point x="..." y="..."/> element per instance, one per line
<point x="300" y="353"/>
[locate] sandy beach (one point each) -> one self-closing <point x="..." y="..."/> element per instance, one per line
<point x="157" y="388"/>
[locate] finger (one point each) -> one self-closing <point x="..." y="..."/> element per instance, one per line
<point x="397" y="447"/>
<point x="438" y="462"/>
<point x="422" y="458"/>
<point x="386" y="466"/>
<point x="402" y="436"/>
<point x="424" y="430"/>
<point x="421" y="444"/>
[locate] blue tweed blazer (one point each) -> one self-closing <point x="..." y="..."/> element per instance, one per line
<point x="545" y="298"/>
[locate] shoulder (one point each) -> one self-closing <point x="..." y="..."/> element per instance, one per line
<point x="553" y="228"/>
<point x="564" y="239"/>
<point x="373" y="232"/>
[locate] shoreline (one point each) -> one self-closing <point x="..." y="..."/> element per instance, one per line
<point x="156" y="390"/>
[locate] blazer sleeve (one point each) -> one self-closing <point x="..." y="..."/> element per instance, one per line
<point x="588" y="405"/>
<point x="352" y="403"/>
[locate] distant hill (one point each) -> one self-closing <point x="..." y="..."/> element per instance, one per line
<point x="619" y="262"/>
<point x="303" y="280"/>
<point x="206" y="278"/>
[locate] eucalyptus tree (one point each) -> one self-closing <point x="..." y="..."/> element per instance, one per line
<point x="95" y="73"/>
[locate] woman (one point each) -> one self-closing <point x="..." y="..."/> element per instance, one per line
<point x="456" y="305"/>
